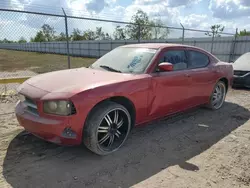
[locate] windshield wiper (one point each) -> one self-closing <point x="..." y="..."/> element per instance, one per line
<point x="109" y="68"/>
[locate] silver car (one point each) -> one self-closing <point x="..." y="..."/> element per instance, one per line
<point x="242" y="71"/>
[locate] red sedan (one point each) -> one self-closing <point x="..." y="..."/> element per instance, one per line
<point x="130" y="85"/>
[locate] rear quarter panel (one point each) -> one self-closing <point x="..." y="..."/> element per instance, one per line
<point x="225" y="70"/>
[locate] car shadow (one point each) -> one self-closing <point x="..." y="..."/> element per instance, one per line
<point x="31" y="162"/>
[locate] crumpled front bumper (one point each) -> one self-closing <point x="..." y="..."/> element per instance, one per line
<point x="52" y="130"/>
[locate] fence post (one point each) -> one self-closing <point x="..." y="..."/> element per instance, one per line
<point x="183" y="33"/>
<point x="233" y="46"/>
<point x="212" y="45"/>
<point x="139" y="33"/>
<point x="89" y="49"/>
<point x="67" y="36"/>
<point x="99" y="48"/>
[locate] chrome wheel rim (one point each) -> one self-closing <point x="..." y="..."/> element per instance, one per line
<point x="218" y="96"/>
<point x="113" y="129"/>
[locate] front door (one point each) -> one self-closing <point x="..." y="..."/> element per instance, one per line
<point x="170" y="90"/>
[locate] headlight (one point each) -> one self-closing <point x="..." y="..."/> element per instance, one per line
<point x="21" y="97"/>
<point x="63" y="108"/>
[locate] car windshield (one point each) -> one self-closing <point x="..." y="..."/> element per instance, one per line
<point x="243" y="62"/>
<point x="125" y="60"/>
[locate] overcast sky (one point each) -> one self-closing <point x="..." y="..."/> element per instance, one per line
<point x="196" y="14"/>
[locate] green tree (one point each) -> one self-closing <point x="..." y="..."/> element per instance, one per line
<point x="48" y="32"/>
<point x="119" y="33"/>
<point x="22" y="40"/>
<point x="216" y="30"/>
<point x="140" y="27"/>
<point x="159" y="30"/>
<point x="61" y="37"/>
<point x="100" y="35"/>
<point x="244" y="33"/>
<point x="77" y="35"/>
<point x="6" y="41"/>
<point x="107" y="37"/>
<point x="89" y="35"/>
<point x="39" y="37"/>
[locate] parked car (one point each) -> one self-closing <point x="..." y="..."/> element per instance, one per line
<point x="242" y="71"/>
<point x="129" y="86"/>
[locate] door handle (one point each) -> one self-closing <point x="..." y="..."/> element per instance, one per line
<point x="187" y="75"/>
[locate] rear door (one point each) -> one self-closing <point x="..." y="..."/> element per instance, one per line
<point x="170" y="89"/>
<point x="202" y="76"/>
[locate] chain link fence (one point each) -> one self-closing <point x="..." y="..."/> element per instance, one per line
<point x="32" y="42"/>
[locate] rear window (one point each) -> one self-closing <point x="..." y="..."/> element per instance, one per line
<point x="197" y="59"/>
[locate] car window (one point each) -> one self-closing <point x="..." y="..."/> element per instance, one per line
<point x="197" y="59"/>
<point x="176" y="57"/>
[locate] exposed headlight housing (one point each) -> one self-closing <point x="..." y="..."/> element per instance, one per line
<point x="21" y="97"/>
<point x="60" y="107"/>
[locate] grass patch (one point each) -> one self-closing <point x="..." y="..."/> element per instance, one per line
<point x="11" y="60"/>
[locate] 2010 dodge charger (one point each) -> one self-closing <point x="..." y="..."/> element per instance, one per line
<point x="130" y="85"/>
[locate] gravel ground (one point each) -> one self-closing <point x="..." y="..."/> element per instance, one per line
<point x="200" y="148"/>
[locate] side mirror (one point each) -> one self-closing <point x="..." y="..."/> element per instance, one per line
<point x="165" y="66"/>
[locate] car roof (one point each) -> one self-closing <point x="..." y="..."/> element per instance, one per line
<point x="166" y="45"/>
<point x="157" y="45"/>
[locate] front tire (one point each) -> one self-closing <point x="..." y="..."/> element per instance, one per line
<point x="106" y="128"/>
<point x="218" y="96"/>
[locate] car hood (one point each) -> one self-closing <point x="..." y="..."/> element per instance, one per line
<point x="241" y="67"/>
<point x="242" y="63"/>
<point x="76" y="80"/>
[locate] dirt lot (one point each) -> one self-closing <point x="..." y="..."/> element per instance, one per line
<point x="200" y="148"/>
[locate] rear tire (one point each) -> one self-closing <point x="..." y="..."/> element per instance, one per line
<point x="107" y="128"/>
<point x="218" y="96"/>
